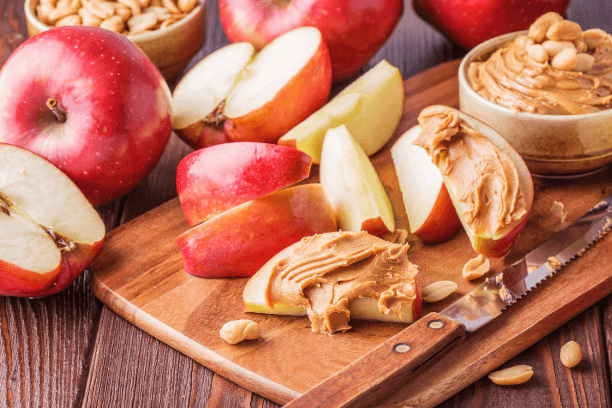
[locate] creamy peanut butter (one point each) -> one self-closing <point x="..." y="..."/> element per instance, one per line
<point x="324" y="273"/>
<point x="482" y="177"/>
<point x="555" y="69"/>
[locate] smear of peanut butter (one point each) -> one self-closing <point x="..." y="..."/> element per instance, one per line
<point x="482" y="177"/>
<point x="324" y="273"/>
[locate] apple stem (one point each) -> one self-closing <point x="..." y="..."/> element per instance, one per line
<point x="54" y="107"/>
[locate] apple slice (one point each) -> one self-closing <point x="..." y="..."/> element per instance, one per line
<point x="492" y="201"/>
<point x="371" y="108"/>
<point x="237" y="242"/>
<point x="217" y="178"/>
<point x="352" y="185"/>
<point x="237" y="94"/>
<point x="50" y="232"/>
<point x="298" y="264"/>
<point x="430" y="210"/>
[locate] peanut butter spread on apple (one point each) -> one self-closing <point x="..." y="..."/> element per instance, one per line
<point x="481" y="175"/>
<point x="556" y="69"/>
<point x="323" y="273"/>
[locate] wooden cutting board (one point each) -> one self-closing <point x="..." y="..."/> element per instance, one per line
<point x="140" y="276"/>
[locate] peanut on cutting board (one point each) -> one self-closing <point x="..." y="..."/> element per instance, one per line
<point x="512" y="375"/>
<point x="127" y="17"/>
<point x="571" y="354"/>
<point x="438" y="291"/>
<point x="239" y="330"/>
<point x="476" y="267"/>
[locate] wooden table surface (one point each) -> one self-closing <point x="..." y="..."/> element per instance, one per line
<point x="69" y="350"/>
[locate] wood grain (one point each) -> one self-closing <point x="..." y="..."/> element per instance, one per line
<point x="152" y="291"/>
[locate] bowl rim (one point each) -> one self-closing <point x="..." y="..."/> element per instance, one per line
<point x="30" y="4"/>
<point x="464" y="84"/>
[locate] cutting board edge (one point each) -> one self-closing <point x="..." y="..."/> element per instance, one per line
<point x="189" y="347"/>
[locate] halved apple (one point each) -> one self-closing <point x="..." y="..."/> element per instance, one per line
<point x="50" y="232"/>
<point x="237" y="242"/>
<point x="259" y="295"/>
<point x="492" y="204"/>
<point x="431" y="214"/>
<point x="352" y="185"/>
<point x="217" y="178"/>
<point x="371" y="108"/>
<point x="237" y="94"/>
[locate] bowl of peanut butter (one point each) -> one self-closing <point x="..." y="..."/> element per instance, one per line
<point x="548" y="91"/>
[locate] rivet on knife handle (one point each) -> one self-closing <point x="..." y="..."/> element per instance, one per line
<point x="386" y="368"/>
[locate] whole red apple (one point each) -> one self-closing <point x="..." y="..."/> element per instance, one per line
<point x="90" y="102"/>
<point x="470" y="22"/>
<point x="353" y="29"/>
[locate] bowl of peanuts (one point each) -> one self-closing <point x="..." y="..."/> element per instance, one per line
<point x="548" y="91"/>
<point x="169" y="32"/>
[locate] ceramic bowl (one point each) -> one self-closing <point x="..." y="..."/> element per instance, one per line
<point x="169" y="48"/>
<point x="551" y="145"/>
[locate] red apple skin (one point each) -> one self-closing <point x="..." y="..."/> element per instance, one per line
<point x="471" y="22"/>
<point x="238" y="242"/>
<point x="375" y="226"/>
<point x="117" y="106"/>
<point x="499" y="248"/>
<point x="353" y="29"/>
<point x="442" y="222"/>
<point x="217" y="178"/>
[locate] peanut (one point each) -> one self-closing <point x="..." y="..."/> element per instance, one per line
<point x="114" y="23"/>
<point x="238" y="330"/>
<point x="584" y="62"/>
<point x="476" y="267"/>
<point x="593" y="36"/>
<point x="70" y="20"/>
<point x="571" y="354"/>
<point x="581" y="45"/>
<point x="438" y="291"/>
<point x="564" y="31"/>
<point x="538" y="29"/>
<point x="566" y="60"/>
<point x="512" y="375"/>
<point x="187" y="5"/>
<point x="89" y="19"/>
<point x="555" y="47"/>
<point x="537" y="53"/>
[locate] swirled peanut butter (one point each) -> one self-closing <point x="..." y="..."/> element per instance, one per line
<point x="324" y="273"/>
<point x="555" y="69"/>
<point x="482" y="177"/>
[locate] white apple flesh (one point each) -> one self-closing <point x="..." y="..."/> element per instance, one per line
<point x="431" y="214"/>
<point x="239" y="94"/>
<point x="371" y="109"/>
<point x="50" y="232"/>
<point x="353" y="186"/>
<point x="89" y="101"/>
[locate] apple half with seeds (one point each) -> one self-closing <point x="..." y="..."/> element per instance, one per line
<point x="487" y="180"/>
<point x="50" y="232"/>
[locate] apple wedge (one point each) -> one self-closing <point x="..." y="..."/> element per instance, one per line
<point x="237" y="242"/>
<point x="238" y="94"/>
<point x="431" y="214"/>
<point x="352" y="185"/>
<point x="217" y="178"/>
<point x="371" y="109"/>
<point x="487" y="180"/>
<point x="50" y="232"/>
<point x="330" y="269"/>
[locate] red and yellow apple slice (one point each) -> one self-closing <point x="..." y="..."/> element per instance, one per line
<point x="257" y="294"/>
<point x="237" y="242"/>
<point x="50" y="232"/>
<point x="217" y="178"/>
<point x="493" y="244"/>
<point x="371" y="109"/>
<point x="431" y="214"/>
<point x="352" y="185"/>
<point x="238" y="94"/>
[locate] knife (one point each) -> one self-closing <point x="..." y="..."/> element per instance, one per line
<point x="392" y="364"/>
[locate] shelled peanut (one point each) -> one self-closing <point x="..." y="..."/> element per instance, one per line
<point x="127" y="17"/>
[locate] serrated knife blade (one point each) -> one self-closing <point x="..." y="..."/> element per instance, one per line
<point x="391" y="364"/>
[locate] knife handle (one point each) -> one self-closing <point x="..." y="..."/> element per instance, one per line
<point x="384" y="369"/>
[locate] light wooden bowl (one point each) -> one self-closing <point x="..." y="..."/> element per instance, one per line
<point x="170" y="48"/>
<point x="551" y="145"/>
